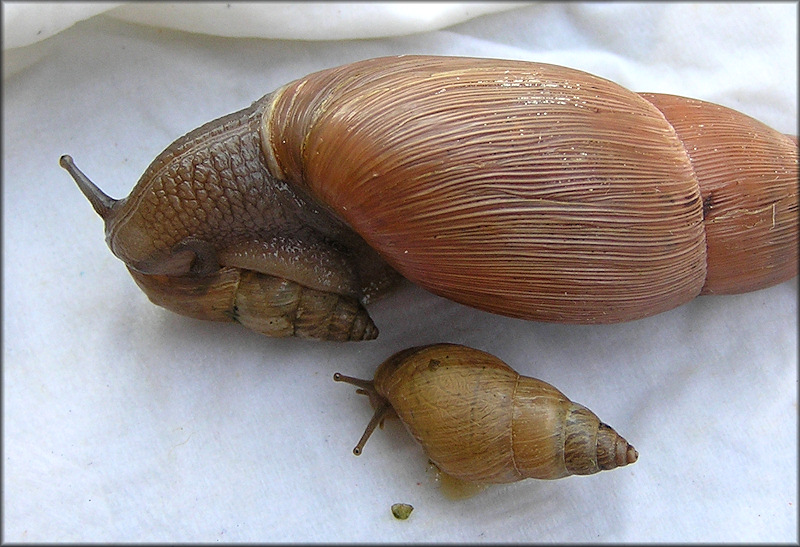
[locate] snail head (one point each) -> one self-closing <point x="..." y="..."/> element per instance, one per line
<point x="142" y="236"/>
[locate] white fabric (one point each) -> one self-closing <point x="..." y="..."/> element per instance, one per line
<point x="125" y="422"/>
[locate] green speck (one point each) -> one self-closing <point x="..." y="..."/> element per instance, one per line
<point x="401" y="511"/>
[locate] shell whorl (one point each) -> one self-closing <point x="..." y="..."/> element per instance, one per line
<point x="511" y="170"/>
<point x="748" y="177"/>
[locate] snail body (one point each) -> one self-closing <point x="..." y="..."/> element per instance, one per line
<point x="581" y="201"/>
<point x="481" y="422"/>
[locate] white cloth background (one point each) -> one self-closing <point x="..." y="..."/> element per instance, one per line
<point x="123" y="421"/>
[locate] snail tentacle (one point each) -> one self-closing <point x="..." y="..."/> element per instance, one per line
<point x="102" y="204"/>
<point x="377" y="419"/>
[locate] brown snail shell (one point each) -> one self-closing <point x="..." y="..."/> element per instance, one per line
<point x="481" y="422"/>
<point x="580" y="201"/>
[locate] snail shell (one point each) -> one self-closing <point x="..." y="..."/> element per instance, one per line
<point x="481" y="422"/>
<point x="524" y="189"/>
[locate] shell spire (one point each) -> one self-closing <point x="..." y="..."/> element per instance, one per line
<point x="612" y="450"/>
<point x="591" y="445"/>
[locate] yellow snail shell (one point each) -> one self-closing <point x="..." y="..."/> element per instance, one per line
<point x="481" y="422"/>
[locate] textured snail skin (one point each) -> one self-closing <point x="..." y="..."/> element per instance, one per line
<point x="481" y="422"/>
<point x="524" y="189"/>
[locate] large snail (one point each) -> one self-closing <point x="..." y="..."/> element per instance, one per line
<point x="524" y="189"/>
<point x="481" y="422"/>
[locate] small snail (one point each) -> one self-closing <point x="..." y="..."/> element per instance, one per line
<point x="524" y="189"/>
<point x="481" y="422"/>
